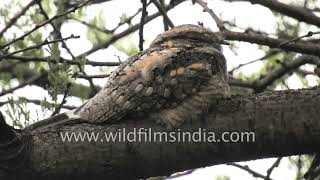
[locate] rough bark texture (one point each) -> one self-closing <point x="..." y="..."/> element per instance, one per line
<point x="285" y="123"/>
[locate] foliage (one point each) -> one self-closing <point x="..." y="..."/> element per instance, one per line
<point x="60" y="74"/>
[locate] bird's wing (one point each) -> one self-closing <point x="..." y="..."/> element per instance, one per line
<point x="152" y="80"/>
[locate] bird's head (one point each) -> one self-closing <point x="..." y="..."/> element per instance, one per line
<point x="189" y="34"/>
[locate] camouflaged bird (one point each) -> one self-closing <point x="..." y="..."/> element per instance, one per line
<point x="179" y="75"/>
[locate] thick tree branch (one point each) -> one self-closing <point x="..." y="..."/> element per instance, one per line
<point x="252" y="37"/>
<point x="298" y="13"/>
<point x="285" y="123"/>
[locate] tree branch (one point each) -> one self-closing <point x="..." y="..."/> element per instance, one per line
<point x="38" y="46"/>
<point x="164" y="13"/>
<point x="286" y="67"/>
<point x="42" y="24"/>
<point x="62" y="60"/>
<point x="251" y="37"/>
<point x="36" y="102"/>
<point x="298" y="13"/>
<point x="205" y="7"/>
<point x="21" y="85"/>
<point x="16" y="17"/>
<point x="128" y="31"/>
<point x="142" y="21"/>
<point x="272" y="117"/>
<point x="246" y="168"/>
<point x="274" y="165"/>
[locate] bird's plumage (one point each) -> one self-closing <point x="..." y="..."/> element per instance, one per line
<point x="181" y="72"/>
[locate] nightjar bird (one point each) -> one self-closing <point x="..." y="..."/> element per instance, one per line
<point x="179" y="75"/>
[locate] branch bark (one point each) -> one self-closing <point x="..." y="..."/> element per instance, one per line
<point x="285" y="123"/>
<point x="252" y="37"/>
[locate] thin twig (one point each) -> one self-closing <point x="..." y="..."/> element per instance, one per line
<point x="142" y="21"/>
<point x="299" y="163"/>
<point x="106" y="31"/>
<point x="55" y="29"/>
<point x="94" y="89"/>
<point x="165" y="24"/>
<point x="63" y="101"/>
<point x="274" y="165"/>
<point x="126" y="32"/>
<point x="16" y="17"/>
<point x="205" y="7"/>
<point x="44" y="23"/>
<point x="128" y="20"/>
<point x="37" y="46"/>
<point x="30" y="81"/>
<point x="316" y="9"/>
<point x="303" y="72"/>
<point x="317" y="71"/>
<point x="85" y="76"/>
<point x="246" y="168"/>
<point x="62" y="60"/>
<point x="35" y="101"/>
<point x="164" y="13"/>
<point x="286" y="67"/>
<point x="64" y="45"/>
<point x="181" y="174"/>
<point x="309" y="34"/>
<point x="268" y="55"/>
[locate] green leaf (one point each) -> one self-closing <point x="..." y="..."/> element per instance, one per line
<point x="47" y="6"/>
<point x="95" y="36"/>
<point x="222" y="177"/>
